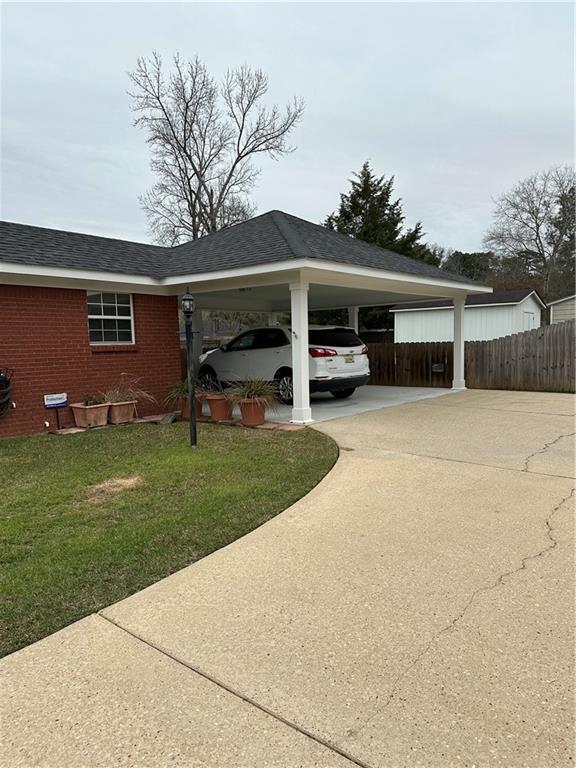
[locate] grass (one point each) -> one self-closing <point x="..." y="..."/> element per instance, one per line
<point x="90" y="518"/>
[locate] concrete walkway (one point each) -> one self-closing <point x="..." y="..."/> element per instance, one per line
<point x="415" y="609"/>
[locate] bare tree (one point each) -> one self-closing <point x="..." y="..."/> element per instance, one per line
<point x="534" y="225"/>
<point x="204" y="138"/>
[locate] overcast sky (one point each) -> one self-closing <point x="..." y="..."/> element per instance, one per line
<point x="458" y="101"/>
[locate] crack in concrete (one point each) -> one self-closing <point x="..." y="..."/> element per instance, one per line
<point x="546" y="447"/>
<point x="552" y="544"/>
<point x="238" y="694"/>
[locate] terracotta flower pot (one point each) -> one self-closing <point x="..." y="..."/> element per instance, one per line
<point x="186" y="408"/>
<point x="253" y="412"/>
<point x="90" y="415"/>
<point x="122" y="413"/>
<point x="220" y="407"/>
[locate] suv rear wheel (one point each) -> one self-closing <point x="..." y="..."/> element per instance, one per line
<point x="284" y="386"/>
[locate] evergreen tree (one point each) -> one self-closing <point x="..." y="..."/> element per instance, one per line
<point x="369" y="212"/>
<point x="476" y="266"/>
<point x="563" y="230"/>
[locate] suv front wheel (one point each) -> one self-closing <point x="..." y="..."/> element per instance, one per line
<point x="284" y="386"/>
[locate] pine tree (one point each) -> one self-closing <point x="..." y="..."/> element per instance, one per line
<point x="369" y="212"/>
<point x="477" y="266"/>
<point x="563" y="231"/>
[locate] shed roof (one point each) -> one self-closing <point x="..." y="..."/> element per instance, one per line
<point x="483" y="300"/>
<point x="559" y="301"/>
<point x="269" y="238"/>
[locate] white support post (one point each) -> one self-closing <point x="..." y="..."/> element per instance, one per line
<point x="459" y="380"/>
<point x="353" y="318"/>
<point x="301" y="412"/>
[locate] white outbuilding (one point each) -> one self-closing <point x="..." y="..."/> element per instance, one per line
<point x="562" y="309"/>
<point x="486" y="316"/>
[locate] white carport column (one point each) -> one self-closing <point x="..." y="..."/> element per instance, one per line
<point x="459" y="381"/>
<point x="301" y="412"/>
<point x="353" y="318"/>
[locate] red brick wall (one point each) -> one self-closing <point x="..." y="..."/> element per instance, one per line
<point x="44" y="338"/>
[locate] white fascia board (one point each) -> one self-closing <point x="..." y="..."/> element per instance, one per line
<point x="36" y="272"/>
<point x="559" y="301"/>
<point x="328" y="267"/>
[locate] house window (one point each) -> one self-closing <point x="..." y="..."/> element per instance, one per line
<point x="110" y="318"/>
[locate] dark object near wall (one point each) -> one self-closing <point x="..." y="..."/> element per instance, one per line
<point x="6" y="375"/>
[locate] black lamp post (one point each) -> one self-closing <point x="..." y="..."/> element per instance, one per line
<point x="187" y="304"/>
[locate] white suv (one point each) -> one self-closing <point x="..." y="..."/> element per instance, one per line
<point x="338" y="360"/>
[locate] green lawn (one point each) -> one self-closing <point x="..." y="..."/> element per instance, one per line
<point x="69" y="548"/>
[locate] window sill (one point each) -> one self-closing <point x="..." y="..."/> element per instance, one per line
<point x="103" y="348"/>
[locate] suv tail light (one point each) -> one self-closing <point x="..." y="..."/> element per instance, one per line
<point x="364" y="351"/>
<point x="321" y="352"/>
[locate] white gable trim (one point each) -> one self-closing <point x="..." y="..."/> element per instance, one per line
<point x="559" y="301"/>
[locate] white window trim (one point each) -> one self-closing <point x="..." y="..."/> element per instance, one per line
<point x="112" y="317"/>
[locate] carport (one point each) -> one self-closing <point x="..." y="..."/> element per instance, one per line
<point x="271" y="263"/>
<point x="277" y="262"/>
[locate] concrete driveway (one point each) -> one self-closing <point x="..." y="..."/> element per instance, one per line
<point x="415" y="609"/>
<point x="325" y="407"/>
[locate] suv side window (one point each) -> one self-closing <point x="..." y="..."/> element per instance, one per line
<point x="267" y="338"/>
<point x="245" y="341"/>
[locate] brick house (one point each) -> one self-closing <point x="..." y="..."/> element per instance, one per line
<point x="78" y="310"/>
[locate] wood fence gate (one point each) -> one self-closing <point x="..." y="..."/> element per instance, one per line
<point x="541" y="360"/>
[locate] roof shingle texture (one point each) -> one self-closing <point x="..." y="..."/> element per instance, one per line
<point x="270" y="238"/>
<point x="500" y="297"/>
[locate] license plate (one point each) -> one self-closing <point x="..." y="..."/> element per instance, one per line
<point x="348" y="358"/>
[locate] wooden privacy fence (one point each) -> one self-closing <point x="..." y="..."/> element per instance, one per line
<point x="541" y="360"/>
<point x="417" y="364"/>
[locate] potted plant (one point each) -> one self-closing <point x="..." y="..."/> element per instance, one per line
<point x="177" y="398"/>
<point x="254" y="396"/>
<point x="123" y="398"/>
<point x="92" y="412"/>
<point x="219" y="403"/>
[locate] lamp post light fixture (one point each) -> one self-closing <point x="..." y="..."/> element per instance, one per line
<point x="187" y="304"/>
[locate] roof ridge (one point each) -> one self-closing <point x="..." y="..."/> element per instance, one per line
<point x="291" y="237"/>
<point x="219" y="231"/>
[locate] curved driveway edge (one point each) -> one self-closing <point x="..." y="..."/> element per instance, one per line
<point x="414" y="609"/>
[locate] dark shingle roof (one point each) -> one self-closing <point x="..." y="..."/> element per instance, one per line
<point x="24" y="244"/>
<point x="500" y="297"/>
<point x="277" y="236"/>
<point x="270" y="238"/>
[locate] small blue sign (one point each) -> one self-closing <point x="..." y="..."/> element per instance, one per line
<point x="56" y="401"/>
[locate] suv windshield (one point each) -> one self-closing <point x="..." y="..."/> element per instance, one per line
<point x="334" y="337"/>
